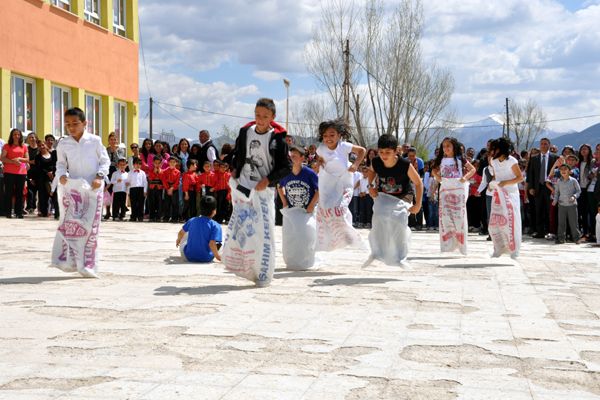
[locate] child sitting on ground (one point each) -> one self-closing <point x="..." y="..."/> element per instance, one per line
<point x="200" y="237"/>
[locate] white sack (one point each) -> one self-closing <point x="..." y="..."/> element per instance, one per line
<point x="598" y="228"/>
<point x="249" y="248"/>
<point x="334" y="219"/>
<point x="299" y="238"/>
<point x="453" y="215"/>
<point x="76" y="241"/>
<point x="390" y="235"/>
<point x="505" y="222"/>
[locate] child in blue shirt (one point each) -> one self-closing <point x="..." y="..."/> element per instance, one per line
<point x="200" y="237"/>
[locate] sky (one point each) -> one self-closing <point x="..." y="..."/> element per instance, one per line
<point x="221" y="56"/>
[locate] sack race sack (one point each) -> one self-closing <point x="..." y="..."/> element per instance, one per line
<point x="108" y="198"/>
<point x="249" y="247"/>
<point x="453" y="215"/>
<point x="334" y="219"/>
<point x="505" y="222"/>
<point x="598" y="228"/>
<point x="390" y="235"/>
<point x="76" y="241"/>
<point x="299" y="238"/>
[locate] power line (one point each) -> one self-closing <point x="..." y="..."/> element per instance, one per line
<point x="176" y="117"/>
<point x="144" y="57"/>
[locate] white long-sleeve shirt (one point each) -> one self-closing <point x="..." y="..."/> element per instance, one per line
<point x="83" y="159"/>
<point x="136" y="179"/>
<point x="118" y="180"/>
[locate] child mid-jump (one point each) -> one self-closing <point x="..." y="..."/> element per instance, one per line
<point x="334" y="220"/>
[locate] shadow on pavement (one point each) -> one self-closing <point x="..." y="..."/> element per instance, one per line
<point x="351" y="281"/>
<point x="288" y="273"/>
<point x="176" y="260"/>
<point x="214" y="289"/>
<point x="475" y="265"/>
<point x="440" y="257"/>
<point x="35" y="280"/>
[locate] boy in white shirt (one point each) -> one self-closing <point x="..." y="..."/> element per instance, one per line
<point x="118" y="182"/>
<point x="137" y="186"/>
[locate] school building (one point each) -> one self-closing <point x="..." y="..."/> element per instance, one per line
<point x="56" y="54"/>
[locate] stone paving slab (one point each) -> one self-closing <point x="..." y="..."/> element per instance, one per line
<point x="447" y="327"/>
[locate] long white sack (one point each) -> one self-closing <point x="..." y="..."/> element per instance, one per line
<point x="299" y="238"/>
<point x="76" y="242"/>
<point x="505" y="222"/>
<point x="334" y="219"/>
<point x="249" y="248"/>
<point x="453" y="215"/>
<point x="390" y="235"/>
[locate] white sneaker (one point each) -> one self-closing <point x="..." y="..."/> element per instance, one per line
<point x="88" y="273"/>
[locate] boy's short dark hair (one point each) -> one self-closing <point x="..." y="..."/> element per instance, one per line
<point x="50" y="136"/>
<point x="189" y="163"/>
<point x="412" y="150"/>
<point x="157" y="157"/>
<point x="136" y="160"/>
<point x="387" y="142"/>
<point x="565" y="166"/>
<point x="75" y="112"/>
<point x="266" y="103"/>
<point x="573" y="157"/>
<point x="298" y="149"/>
<point x="121" y="159"/>
<point x="208" y="204"/>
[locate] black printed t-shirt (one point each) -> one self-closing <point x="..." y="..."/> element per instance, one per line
<point x="395" y="180"/>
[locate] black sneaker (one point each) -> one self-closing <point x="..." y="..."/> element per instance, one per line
<point x="558" y="241"/>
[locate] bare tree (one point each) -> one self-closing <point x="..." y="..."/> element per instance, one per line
<point x="306" y="117"/>
<point x="527" y="121"/>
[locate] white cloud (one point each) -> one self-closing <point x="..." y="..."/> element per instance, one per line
<point x="267" y="75"/>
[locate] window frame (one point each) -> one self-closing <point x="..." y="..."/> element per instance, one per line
<point x="120" y="26"/>
<point x="91" y="15"/>
<point x="63" y="91"/>
<point x="91" y="121"/>
<point x="13" y="99"/>
<point x="62" y="4"/>
<point x="121" y="126"/>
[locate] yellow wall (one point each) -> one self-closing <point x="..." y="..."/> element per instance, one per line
<point x="43" y="104"/>
<point x="108" y="117"/>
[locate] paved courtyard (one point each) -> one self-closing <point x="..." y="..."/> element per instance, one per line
<point x="152" y="327"/>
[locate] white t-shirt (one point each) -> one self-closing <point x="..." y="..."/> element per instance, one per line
<point x="502" y="171"/>
<point x="451" y="168"/>
<point x="356" y="177"/>
<point x="336" y="160"/>
<point x="258" y="163"/>
<point x="364" y="184"/>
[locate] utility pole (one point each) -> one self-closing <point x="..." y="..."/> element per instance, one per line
<point x="150" y="119"/>
<point x="347" y="82"/>
<point x="286" y="83"/>
<point x="507" y="121"/>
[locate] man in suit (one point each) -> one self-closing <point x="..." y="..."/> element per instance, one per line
<point x="537" y="172"/>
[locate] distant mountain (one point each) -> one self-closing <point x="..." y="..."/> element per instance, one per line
<point x="476" y="134"/>
<point x="590" y="135"/>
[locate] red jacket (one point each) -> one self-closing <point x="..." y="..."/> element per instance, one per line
<point x="170" y="178"/>
<point x="206" y="179"/>
<point x="222" y="180"/>
<point x="154" y="179"/>
<point x="189" y="181"/>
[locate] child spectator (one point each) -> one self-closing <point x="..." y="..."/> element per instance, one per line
<point x="221" y="189"/>
<point x="206" y="180"/>
<point x="137" y="185"/>
<point x="189" y="184"/>
<point x="566" y="192"/>
<point x="170" y="180"/>
<point x="365" y="201"/>
<point x="355" y="202"/>
<point x="200" y="237"/>
<point x="118" y="182"/>
<point x="155" y="190"/>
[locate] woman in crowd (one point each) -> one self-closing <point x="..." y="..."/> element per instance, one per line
<point x="15" y="158"/>
<point x="46" y="167"/>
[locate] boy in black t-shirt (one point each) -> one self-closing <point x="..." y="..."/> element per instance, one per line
<point x="394" y="174"/>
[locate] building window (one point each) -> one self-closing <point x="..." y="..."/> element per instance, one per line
<point x="64" y="4"/>
<point x="121" y="122"/>
<point x="93" y="114"/>
<point x="92" y="11"/>
<point x="119" y="17"/>
<point x="61" y="101"/>
<point x="22" y="104"/>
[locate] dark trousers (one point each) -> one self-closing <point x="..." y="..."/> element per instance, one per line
<point x="118" y="205"/>
<point x="474" y="211"/>
<point x="223" y="206"/>
<point x="155" y="203"/>
<point x="171" y="206"/>
<point x="567" y="215"/>
<point x="278" y="207"/>
<point x="189" y="206"/>
<point x="2" y="199"/>
<point x="44" y="195"/>
<point x="365" y="206"/>
<point x="530" y="209"/>
<point x="136" y="197"/>
<point x="542" y="209"/>
<point x="592" y="211"/>
<point x="355" y="209"/>
<point x="582" y="211"/>
<point x="13" y="186"/>
<point x="32" y="193"/>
